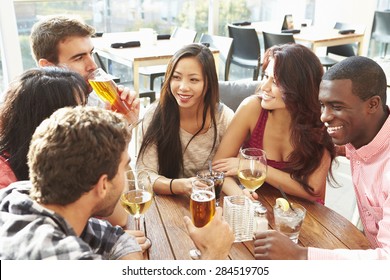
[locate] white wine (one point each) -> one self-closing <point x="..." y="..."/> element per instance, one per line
<point x="136" y="202"/>
<point x="251" y="179"/>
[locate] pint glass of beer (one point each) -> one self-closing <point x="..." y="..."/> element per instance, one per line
<point x="105" y="88"/>
<point x="202" y="204"/>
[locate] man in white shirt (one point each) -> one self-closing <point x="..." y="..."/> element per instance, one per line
<point x="66" y="42"/>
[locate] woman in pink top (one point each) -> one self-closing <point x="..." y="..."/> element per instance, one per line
<point x="353" y="99"/>
<point x="283" y="120"/>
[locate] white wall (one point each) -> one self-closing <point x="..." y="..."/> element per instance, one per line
<point x="341" y="196"/>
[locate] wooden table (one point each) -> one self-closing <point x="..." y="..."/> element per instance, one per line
<point x="315" y="36"/>
<point x="322" y="228"/>
<point x="320" y="37"/>
<point x="148" y="54"/>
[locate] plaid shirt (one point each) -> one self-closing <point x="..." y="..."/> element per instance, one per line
<point x="30" y="231"/>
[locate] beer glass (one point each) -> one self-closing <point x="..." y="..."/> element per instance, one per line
<point x="202" y="206"/>
<point x="218" y="179"/>
<point x="252" y="168"/>
<point x="106" y="89"/>
<point x="138" y="198"/>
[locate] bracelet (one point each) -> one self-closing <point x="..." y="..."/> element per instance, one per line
<point x="170" y="186"/>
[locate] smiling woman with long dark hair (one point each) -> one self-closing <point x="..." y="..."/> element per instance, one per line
<point x="182" y="131"/>
<point x="284" y="120"/>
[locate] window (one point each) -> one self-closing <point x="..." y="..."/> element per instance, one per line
<point x="2" y="86"/>
<point x="262" y="10"/>
<point x="109" y="16"/>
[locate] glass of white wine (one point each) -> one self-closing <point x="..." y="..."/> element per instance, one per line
<point x="138" y="198"/>
<point x="252" y="168"/>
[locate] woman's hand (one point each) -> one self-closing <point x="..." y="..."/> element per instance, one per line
<point x="227" y="165"/>
<point x="250" y="194"/>
<point x="182" y="186"/>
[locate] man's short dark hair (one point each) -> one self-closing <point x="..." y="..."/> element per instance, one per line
<point x="48" y="32"/>
<point x="367" y="76"/>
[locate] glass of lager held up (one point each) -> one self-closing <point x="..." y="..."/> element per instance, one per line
<point x="202" y="205"/>
<point x="106" y="89"/>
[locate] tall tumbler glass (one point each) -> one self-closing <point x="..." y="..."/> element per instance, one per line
<point x="290" y="222"/>
<point x="218" y="179"/>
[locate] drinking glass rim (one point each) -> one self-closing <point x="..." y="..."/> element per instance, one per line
<point x="210" y="186"/>
<point x="296" y="206"/>
<point x="207" y="172"/>
<point x="263" y="153"/>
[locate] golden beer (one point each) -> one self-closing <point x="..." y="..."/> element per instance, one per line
<point x="202" y="207"/>
<point x="106" y="90"/>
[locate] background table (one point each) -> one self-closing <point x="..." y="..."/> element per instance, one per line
<point x="322" y="227"/>
<point x="315" y="36"/>
<point x="320" y="37"/>
<point x="148" y="54"/>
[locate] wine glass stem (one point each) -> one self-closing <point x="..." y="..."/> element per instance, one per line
<point x="137" y="222"/>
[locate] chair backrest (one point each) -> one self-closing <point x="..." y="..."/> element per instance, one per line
<point x="100" y="64"/>
<point x="186" y="35"/>
<point x="242" y="23"/>
<point x="99" y="61"/>
<point x="272" y="39"/>
<point x="381" y="25"/>
<point x="346" y="50"/>
<point x="221" y="43"/>
<point x="246" y="44"/>
<point x="231" y="93"/>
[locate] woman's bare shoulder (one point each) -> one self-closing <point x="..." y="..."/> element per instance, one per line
<point x="250" y="104"/>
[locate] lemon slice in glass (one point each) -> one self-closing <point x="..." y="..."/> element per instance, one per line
<point x="282" y="204"/>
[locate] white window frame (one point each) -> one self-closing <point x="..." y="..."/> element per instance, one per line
<point x="11" y="55"/>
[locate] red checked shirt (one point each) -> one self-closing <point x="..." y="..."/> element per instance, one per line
<point x="7" y="176"/>
<point x="370" y="166"/>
